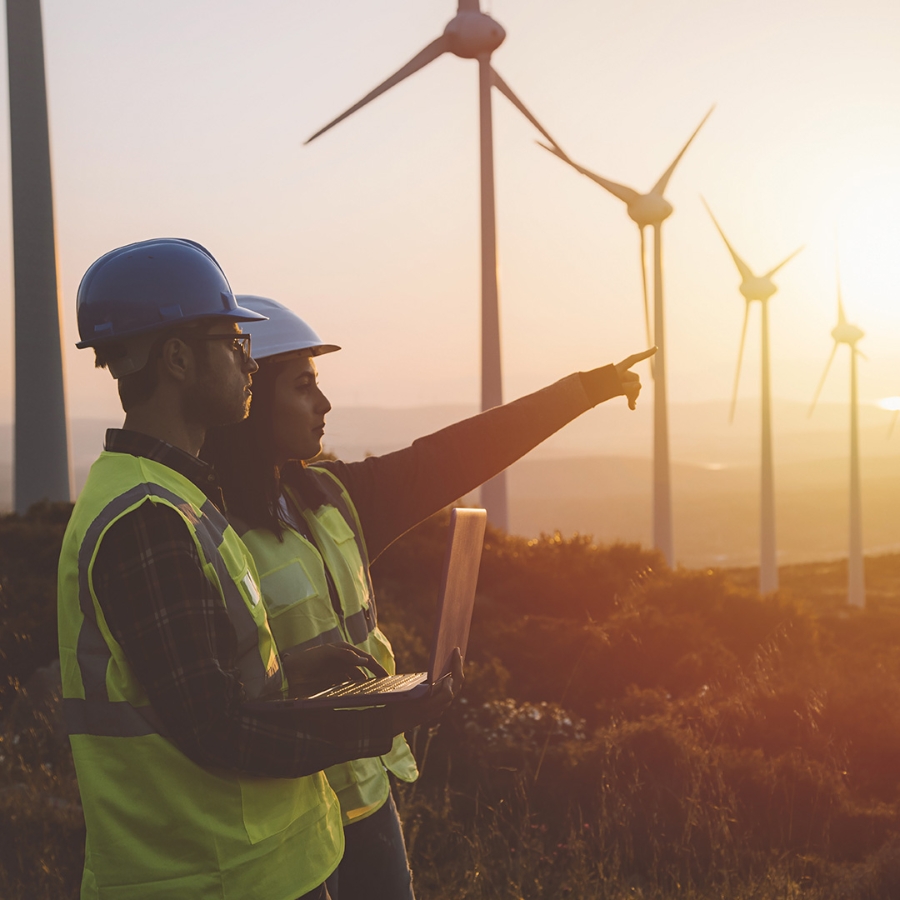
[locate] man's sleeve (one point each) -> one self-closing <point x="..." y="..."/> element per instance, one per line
<point x="394" y="492"/>
<point x="176" y="635"/>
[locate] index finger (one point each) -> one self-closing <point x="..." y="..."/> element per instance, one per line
<point x="635" y="358"/>
<point x="360" y="658"/>
<point x="376" y="668"/>
<point x="373" y="665"/>
<point x="369" y="662"/>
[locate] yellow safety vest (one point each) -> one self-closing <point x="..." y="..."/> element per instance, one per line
<point x="294" y="583"/>
<point x="159" y="825"/>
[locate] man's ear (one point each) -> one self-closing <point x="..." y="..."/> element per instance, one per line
<point x="176" y="359"/>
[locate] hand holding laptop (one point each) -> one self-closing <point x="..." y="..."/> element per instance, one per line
<point x="427" y="710"/>
<point x="318" y="668"/>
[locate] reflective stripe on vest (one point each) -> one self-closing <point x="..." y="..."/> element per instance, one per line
<point x="365" y="619"/>
<point x="95" y="714"/>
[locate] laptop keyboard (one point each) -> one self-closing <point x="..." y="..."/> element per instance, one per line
<point x="386" y="685"/>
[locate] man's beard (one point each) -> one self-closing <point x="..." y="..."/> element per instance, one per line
<point x="209" y="406"/>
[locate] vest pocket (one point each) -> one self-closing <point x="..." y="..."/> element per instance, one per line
<point x="297" y="610"/>
<point x="345" y="541"/>
<point x="286" y="587"/>
<point x="335" y="524"/>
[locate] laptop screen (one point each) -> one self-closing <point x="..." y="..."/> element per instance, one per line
<point x="457" y="595"/>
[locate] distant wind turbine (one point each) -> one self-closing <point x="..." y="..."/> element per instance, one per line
<point x="473" y="35"/>
<point x="651" y="209"/>
<point x="759" y="288"/>
<point x="43" y="466"/>
<point x="893" y="423"/>
<point x="845" y="333"/>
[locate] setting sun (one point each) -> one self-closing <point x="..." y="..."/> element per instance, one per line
<point x="868" y="234"/>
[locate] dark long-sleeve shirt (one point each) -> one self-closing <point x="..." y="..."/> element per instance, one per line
<point x="394" y="492"/>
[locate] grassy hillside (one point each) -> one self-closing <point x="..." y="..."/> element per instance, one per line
<point x="625" y="730"/>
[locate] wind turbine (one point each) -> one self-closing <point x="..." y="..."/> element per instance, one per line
<point x="760" y="288"/>
<point x="651" y="209"/>
<point x="845" y="333"/>
<point x="42" y="464"/>
<point x="472" y="34"/>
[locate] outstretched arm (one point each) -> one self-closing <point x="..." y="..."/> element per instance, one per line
<point x="394" y="492"/>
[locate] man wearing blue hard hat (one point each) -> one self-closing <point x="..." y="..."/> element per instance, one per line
<point x="188" y="788"/>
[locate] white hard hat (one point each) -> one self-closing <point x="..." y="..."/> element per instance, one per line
<point x="283" y="331"/>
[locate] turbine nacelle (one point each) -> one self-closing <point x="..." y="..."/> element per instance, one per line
<point x="845" y="333"/>
<point x="473" y="34"/>
<point x="650" y="209"/>
<point x="757" y="288"/>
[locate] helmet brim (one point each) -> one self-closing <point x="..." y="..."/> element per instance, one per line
<point x="237" y="314"/>
<point x="284" y="332"/>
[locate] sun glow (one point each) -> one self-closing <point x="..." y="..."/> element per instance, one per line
<point x="891" y="403"/>
<point x="867" y="228"/>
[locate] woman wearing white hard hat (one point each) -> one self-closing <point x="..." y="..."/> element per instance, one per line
<point x="314" y="530"/>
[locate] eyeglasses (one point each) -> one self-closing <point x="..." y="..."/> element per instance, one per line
<point x="240" y="343"/>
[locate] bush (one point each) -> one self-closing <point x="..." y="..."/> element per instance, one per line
<point x="29" y="552"/>
<point x="625" y="730"/>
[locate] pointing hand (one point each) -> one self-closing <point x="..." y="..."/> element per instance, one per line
<point x="631" y="381"/>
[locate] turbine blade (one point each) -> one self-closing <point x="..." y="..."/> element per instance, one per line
<point x="419" y="61"/>
<point x="737" y="374"/>
<point x="626" y="194"/>
<point x="507" y="92"/>
<point x="784" y="262"/>
<point x="837" y="264"/>
<point x="743" y="268"/>
<point x="660" y="186"/>
<point x="842" y="317"/>
<point x="822" y="380"/>
<point x="556" y="150"/>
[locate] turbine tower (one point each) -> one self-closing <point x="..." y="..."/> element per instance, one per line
<point x="845" y="333"/>
<point x="759" y="288"/>
<point x="651" y="209"/>
<point x="42" y="464"/>
<point x="473" y="35"/>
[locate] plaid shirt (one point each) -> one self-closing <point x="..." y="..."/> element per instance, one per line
<point x="175" y="631"/>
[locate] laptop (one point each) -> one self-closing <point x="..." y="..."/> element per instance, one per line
<point x="451" y="628"/>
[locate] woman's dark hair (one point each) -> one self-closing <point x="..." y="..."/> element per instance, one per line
<point x="243" y="456"/>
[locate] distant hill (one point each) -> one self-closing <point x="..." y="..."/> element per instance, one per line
<point x="716" y="510"/>
<point x="594" y="476"/>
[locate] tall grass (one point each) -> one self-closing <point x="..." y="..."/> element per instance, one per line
<point x="626" y="731"/>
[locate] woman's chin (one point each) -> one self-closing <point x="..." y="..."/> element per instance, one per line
<point x="314" y="451"/>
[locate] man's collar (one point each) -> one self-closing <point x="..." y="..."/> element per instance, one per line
<point x="120" y="440"/>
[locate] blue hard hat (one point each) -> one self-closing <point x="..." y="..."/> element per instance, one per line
<point x="151" y="285"/>
<point x="283" y="331"/>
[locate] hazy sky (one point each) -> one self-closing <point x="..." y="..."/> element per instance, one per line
<point x="187" y="119"/>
